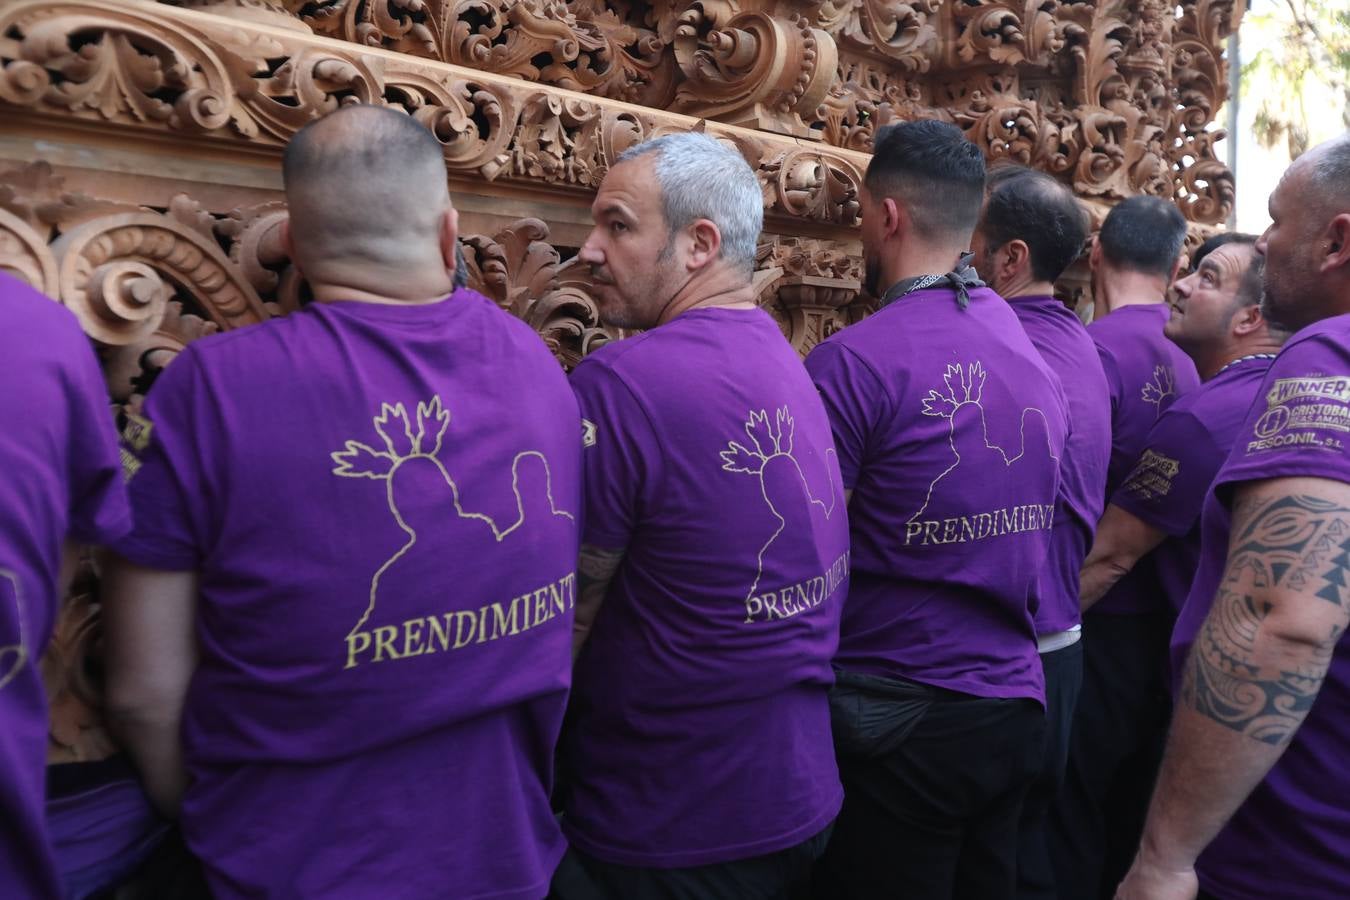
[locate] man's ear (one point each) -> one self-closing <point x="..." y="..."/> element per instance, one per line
<point x="1019" y="255"/>
<point x="1246" y="320"/>
<point x="288" y="244"/>
<point x="1337" y="244"/>
<point x="705" y="243"/>
<point x="449" y="238"/>
<point x="1095" y="254"/>
<point x="895" y="220"/>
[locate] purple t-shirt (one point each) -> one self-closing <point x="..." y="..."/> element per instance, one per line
<point x="1146" y="373"/>
<point x="1298" y="426"/>
<point x="382" y="502"/>
<point x="950" y="428"/>
<point x="709" y="459"/>
<point x="58" y="453"/>
<point x="1063" y="343"/>
<point x="1181" y="456"/>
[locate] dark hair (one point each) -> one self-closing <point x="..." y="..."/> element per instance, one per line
<point x="1033" y="207"/>
<point x="1143" y="234"/>
<point x="932" y="169"/>
<point x="1215" y="241"/>
<point x="1251" y="286"/>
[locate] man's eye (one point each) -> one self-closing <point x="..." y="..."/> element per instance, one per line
<point x="617" y="226"/>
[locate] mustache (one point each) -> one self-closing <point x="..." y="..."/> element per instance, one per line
<point x="599" y="275"/>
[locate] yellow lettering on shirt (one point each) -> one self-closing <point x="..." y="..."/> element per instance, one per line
<point x="458" y="629"/>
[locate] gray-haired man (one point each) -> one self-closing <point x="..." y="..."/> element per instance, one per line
<point x="700" y="757"/>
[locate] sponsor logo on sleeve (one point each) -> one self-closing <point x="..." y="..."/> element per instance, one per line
<point x="1312" y="412"/>
<point x="135" y="438"/>
<point x="1152" y="476"/>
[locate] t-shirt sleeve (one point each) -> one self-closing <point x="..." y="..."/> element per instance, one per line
<point x="99" y="513"/>
<point x="850" y="391"/>
<point x="621" y="457"/>
<point x="1114" y="388"/>
<point x="1299" y="425"/>
<point x="1167" y="486"/>
<point x="164" y="472"/>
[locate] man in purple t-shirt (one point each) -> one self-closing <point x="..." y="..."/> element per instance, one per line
<point x="714" y="561"/>
<point x="950" y="427"/>
<point x="339" y="635"/>
<point x="62" y="485"/>
<point x="1217" y="320"/>
<point x="1123" y="705"/>
<point x="1032" y="228"/>
<point x="1255" y="781"/>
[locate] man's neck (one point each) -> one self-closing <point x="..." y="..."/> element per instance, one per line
<point x="1117" y="289"/>
<point x="915" y="262"/>
<point x="1025" y="288"/>
<point x="329" y="293"/>
<point x="722" y="289"/>
<point x="1209" y="365"/>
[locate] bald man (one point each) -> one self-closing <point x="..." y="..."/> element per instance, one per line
<point x="1254" y="791"/>
<point x="339" y="635"/>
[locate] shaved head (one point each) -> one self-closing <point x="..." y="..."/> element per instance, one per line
<point x="1328" y="167"/>
<point x="366" y="188"/>
<point x="1307" y="246"/>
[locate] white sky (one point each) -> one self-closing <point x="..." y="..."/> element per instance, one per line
<point x="1258" y="169"/>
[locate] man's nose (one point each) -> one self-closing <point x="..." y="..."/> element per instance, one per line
<point x="590" y="254"/>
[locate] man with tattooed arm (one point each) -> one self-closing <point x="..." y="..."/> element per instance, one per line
<point x="1253" y="799"/>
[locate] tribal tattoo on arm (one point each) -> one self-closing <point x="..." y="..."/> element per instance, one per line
<point x="1267" y="643"/>
<point x="596" y="568"/>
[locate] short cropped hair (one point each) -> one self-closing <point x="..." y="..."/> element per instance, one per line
<point x="1032" y="206"/>
<point x="1215" y="241"/>
<point x="1252" y="286"/>
<point x="347" y="177"/>
<point x="931" y="168"/>
<point x="1143" y="234"/>
<point x="701" y="178"/>
<point x="1331" y="172"/>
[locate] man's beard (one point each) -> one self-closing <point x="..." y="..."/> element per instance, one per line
<point x="1279" y="310"/>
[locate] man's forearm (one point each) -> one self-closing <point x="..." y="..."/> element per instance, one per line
<point x="1209" y="770"/>
<point x="1122" y="540"/>
<point x="152" y="739"/>
<point x="1098" y="576"/>
<point x="596" y="568"/>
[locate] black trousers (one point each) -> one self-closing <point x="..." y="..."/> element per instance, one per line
<point x="933" y="787"/>
<point x="1063" y="683"/>
<point x="1114" y="753"/>
<point x="783" y="875"/>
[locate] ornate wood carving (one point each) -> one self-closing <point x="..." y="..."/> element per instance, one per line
<point x="206" y="78"/>
<point x="533" y="100"/>
<point x="1112" y="95"/>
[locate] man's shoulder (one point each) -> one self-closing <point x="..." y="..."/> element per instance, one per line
<point x="30" y="318"/>
<point x="1327" y="334"/>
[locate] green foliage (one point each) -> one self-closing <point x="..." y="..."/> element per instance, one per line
<point x="1303" y="65"/>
